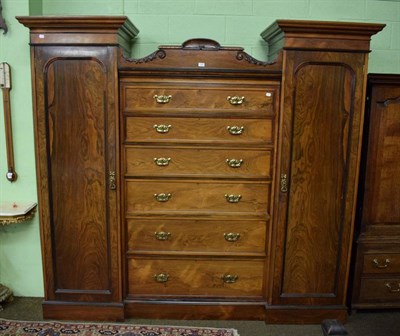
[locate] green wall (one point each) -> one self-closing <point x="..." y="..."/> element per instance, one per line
<point x="20" y="261"/>
<point x="230" y="22"/>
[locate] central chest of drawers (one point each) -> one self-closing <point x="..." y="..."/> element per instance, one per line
<point x="198" y="165"/>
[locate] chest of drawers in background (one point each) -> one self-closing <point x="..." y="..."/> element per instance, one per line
<point x="197" y="163"/>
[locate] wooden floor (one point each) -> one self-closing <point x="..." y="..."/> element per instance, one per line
<point x="371" y="323"/>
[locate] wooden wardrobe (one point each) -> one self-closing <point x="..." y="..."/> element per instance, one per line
<point x="197" y="182"/>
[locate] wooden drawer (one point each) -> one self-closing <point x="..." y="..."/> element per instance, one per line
<point x="376" y="290"/>
<point x="195" y="277"/>
<point x="199" y="130"/>
<point x="189" y="98"/>
<point x="196" y="196"/>
<point x="192" y="161"/>
<point x="381" y="263"/>
<point x="203" y="236"/>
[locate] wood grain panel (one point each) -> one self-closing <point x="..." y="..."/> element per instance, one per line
<point x="318" y="168"/>
<point x="319" y="153"/>
<point x="196" y="197"/>
<point x="197" y="277"/>
<point x="198" y="162"/>
<point x="190" y="97"/>
<point x="77" y="149"/>
<point x="198" y="130"/>
<point x="202" y="236"/>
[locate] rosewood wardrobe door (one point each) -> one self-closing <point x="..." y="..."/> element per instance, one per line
<point x="76" y="144"/>
<point x="320" y="129"/>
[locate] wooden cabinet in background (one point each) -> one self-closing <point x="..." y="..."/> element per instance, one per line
<point x="377" y="272"/>
<point x="197" y="182"/>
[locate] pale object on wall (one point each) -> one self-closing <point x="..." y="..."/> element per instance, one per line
<point x="2" y="21"/>
<point x="5" y="85"/>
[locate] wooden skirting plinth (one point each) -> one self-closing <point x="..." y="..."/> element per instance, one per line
<point x="194" y="311"/>
<point x="56" y="310"/>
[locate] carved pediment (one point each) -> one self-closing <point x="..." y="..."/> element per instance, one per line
<point x="200" y="54"/>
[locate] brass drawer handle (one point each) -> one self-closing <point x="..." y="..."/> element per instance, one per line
<point x="162" y="99"/>
<point x="284" y="183"/>
<point x="162" y="161"/>
<point x="234" y="163"/>
<point x="162" y="197"/>
<point x="235" y="100"/>
<point x="391" y="289"/>
<point x="229" y="278"/>
<point x="235" y="130"/>
<point x="162" y="235"/>
<point x="162" y="277"/>
<point x="111" y="180"/>
<point x="233" y="198"/>
<point x="378" y="264"/>
<point x="162" y="128"/>
<point x="231" y="236"/>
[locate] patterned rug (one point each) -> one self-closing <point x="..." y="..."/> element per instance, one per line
<point x="30" y="328"/>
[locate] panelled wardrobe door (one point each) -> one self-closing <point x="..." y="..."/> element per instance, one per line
<point x="76" y="111"/>
<point x="80" y="155"/>
<point x="317" y="176"/>
<point x="320" y="139"/>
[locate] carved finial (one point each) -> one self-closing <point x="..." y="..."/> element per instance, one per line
<point x="201" y="44"/>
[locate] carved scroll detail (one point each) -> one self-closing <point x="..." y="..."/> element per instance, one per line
<point x="157" y="54"/>
<point x="241" y="55"/>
